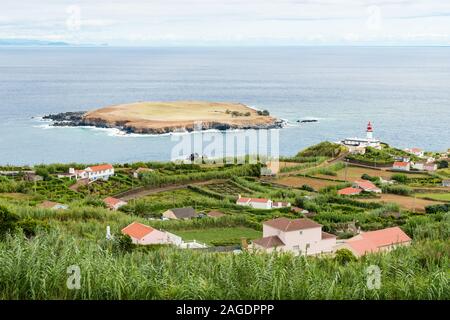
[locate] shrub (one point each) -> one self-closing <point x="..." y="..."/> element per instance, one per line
<point x="123" y="243"/>
<point x="307" y="188"/>
<point x="344" y="256"/>
<point x="438" y="208"/>
<point x="399" y="177"/>
<point x="400" y="190"/>
<point x="30" y="226"/>
<point x="8" y="221"/>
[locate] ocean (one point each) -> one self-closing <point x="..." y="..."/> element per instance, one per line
<point x="404" y="91"/>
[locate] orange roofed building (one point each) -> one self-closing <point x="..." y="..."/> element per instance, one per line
<point x="93" y="173"/>
<point x="376" y="241"/>
<point x="143" y="234"/>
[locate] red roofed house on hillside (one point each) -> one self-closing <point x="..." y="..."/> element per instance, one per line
<point x="113" y="203"/>
<point x="93" y="173"/>
<point x="367" y="186"/>
<point x="299" y="236"/>
<point x="376" y="241"/>
<point x="349" y="191"/>
<point x="142" y="234"/>
<point x="401" y="166"/>
<point x="255" y="203"/>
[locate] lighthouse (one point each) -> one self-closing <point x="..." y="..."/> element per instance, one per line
<point x="369" y="131"/>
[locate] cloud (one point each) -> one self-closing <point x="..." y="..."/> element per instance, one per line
<point x="143" y="22"/>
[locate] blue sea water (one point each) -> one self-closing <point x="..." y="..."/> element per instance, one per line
<point x="404" y="91"/>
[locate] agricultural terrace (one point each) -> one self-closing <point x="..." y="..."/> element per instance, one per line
<point x="37" y="245"/>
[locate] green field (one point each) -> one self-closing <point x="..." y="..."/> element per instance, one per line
<point x="219" y="235"/>
<point x="435" y="196"/>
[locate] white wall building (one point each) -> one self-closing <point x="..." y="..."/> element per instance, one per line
<point x="356" y="144"/>
<point x="101" y="172"/>
<point x="256" y="203"/>
<point x="299" y="236"/>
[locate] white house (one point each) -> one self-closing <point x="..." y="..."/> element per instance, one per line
<point x="418" y="165"/>
<point x="446" y="183"/>
<point x="299" y="236"/>
<point x="93" y="173"/>
<point x="280" y="204"/>
<point x="143" y="234"/>
<point x="416" y="151"/>
<point x="256" y="203"/>
<point x="431" y="167"/>
<point x="356" y="145"/>
<point x="402" y="166"/>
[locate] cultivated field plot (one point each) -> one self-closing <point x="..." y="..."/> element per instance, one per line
<point x="435" y="196"/>
<point x="355" y="173"/>
<point x="297" y="182"/>
<point x="408" y="203"/>
<point x="219" y="236"/>
<point x="227" y="188"/>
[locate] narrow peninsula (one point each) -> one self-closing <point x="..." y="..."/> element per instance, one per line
<point x="166" y="117"/>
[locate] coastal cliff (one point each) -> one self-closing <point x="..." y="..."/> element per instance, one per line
<point x="166" y="117"/>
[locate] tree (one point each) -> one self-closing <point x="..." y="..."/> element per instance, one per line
<point x="443" y="164"/>
<point x="8" y="221"/>
<point x="344" y="256"/>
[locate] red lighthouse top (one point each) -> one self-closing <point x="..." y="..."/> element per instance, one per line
<point x="369" y="127"/>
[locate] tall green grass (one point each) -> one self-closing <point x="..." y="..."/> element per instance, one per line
<point x="37" y="269"/>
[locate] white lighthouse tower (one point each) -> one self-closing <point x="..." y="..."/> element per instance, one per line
<point x="369" y="131"/>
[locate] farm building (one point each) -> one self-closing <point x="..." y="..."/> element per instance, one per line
<point x="180" y="213"/>
<point x="138" y="172"/>
<point x="280" y="204"/>
<point x="299" y="210"/>
<point x="143" y="234"/>
<point x="53" y="205"/>
<point x="349" y="191"/>
<point x="299" y="236"/>
<point x="401" y="166"/>
<point x="256" y="203"/>
<point x="376" y="241"/>
<point x="32" y="176"/>
<point x="446" y="183"/>
<point x="93" y="173"/>
<point x="367" y="186"/>
<point x="113" y="203"/>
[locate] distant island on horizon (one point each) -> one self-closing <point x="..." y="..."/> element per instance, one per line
<point x="42" y="43"/>
<point x="167" y="117"/>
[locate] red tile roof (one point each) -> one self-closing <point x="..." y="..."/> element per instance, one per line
<point x="372" y="241"/>
<point x="366" y="185"/>
<point x="285" y="224"/>
<point x="269" y="242"/>
<point x="401" y="164"/>
<point x="100" y="167"/>
<point x="326" y="235"/>
<point x="137" y="230"/>
<point x="349" y="191"/>
<point x="260" y="200"/>
<point x="111" y="202"/>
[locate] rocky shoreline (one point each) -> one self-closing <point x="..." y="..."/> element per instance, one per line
<point x="79" y="119"/>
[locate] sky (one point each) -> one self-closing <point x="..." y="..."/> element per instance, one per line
<point x="228" y="22"/>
